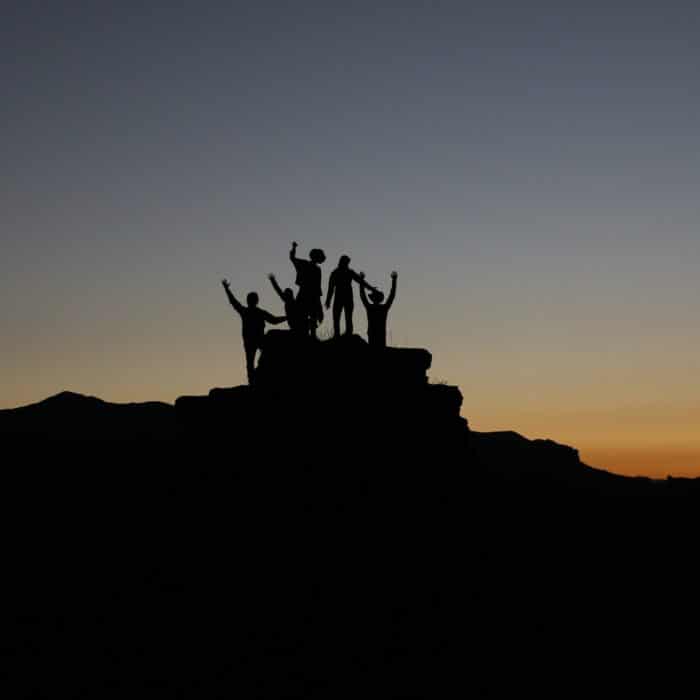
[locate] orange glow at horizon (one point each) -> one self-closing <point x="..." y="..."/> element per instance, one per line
<point x="643" y="439"/>
<point x="534" y="183"/>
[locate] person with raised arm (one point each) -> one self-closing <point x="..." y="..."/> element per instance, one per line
<point x="254" y="320"/>
<point x="308" y="280"/>
<point x="292" y="311"/>
<point x="340" y="291"/>
<point x="377" y="312"/>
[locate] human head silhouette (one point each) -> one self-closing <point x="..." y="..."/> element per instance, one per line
<point x="344" y="261"/>
<point x="376" y="297"/>
<point x="317" y="256"/>
<point x="253" y="299"/>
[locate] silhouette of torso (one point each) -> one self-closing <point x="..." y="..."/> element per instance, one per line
<point x="308" y="278"/>
<point x="376" y="324"/>
<point x="342" y="279"/>
<point x="254" y="320"/>
<point x="295" y="315"/>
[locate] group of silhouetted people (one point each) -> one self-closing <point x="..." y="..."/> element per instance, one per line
<point x="304" y="313"/>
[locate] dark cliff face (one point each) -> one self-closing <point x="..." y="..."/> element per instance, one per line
<point x="342" y="404"/>
<point x="346" y="363"/>
<point x="332" y="402"/>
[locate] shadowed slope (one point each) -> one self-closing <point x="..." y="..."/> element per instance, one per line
<point x="338" y="404"/>
<point x="334" y="403"/>
<point x="331" y="530"/>
<point x="71" y="416"/>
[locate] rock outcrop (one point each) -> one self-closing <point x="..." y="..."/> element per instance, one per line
<point x="337" y="406"/>
<point x="339" y="400"/>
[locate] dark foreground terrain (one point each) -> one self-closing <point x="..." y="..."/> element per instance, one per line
<point x="335" y="531"/>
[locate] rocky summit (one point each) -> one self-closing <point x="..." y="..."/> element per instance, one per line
<point x="339" y="399"/>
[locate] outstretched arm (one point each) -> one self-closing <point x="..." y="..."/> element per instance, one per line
<point x="276" y="286"/>
<point x="360" y="279"/>
<point x="232" y="299"/>
<point x="392" y="293"/>
<point x="274" y="320"/>
<point x="363" y="293"/>
<point x="331" y="290"/>
<point x="293" y="252"/>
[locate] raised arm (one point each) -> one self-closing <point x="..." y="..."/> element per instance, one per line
<point x="392" y="293"/>
<point x="232" y="299"/>
<point x="276" y="286"/>
<point x="363" y="293"/>
<point x="293" y="252"/>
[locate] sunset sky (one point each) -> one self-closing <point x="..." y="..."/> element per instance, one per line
<point x="531" y="169"/>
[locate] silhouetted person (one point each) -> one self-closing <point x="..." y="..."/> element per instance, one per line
<point x="309" y="282"/>
<point x="340" y="290"/>
<point x="377" y="312"/>
<point x="254" y="320"/>
<point x="295" y="318"/>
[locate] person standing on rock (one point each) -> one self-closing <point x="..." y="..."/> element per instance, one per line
<point x="377" y="312"/>
<point x="340" y="287"/>
<point x="295" y="320"/>
<point x="309" y="282"/>
<point x="254" y="320"/>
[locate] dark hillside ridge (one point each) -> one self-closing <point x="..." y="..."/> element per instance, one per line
<point x="73" y="417"/>
<point x="334" y="524"/>
<point x="334" y="404"/>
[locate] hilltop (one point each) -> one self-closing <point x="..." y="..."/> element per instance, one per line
<point x="334" y="404"/>
<point x="340" y="509"/>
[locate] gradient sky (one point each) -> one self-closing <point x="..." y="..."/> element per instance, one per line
<point x="531" y="169"/>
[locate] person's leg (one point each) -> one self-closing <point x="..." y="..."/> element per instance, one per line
<point x="304" y="315"/>
<point x="337" y="311"/>
<point x="349" y="308"/>
<point x="250" y="348"/>
<point x="315" y="318"/>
